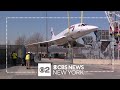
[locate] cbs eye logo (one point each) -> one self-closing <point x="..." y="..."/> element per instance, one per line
<point x="44" y="69"/>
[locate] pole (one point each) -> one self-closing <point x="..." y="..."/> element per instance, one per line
<point x="68" y="14"/>
<point x="46" y="28"/>
<point x="113" y="49"/>
<point x="81" y="16"/>
<point x="46" y="34"/>
<point x="118" y="39"/>
<point x="69" y="44"/>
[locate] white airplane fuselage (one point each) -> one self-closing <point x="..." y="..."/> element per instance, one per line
<point x="70" y="34"/>
<point x="74" y="32"/>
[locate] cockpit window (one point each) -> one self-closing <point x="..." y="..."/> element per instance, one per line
<point x="82" y="25"/>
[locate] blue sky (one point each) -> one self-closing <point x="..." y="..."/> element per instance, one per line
<point x="18" y="27"/>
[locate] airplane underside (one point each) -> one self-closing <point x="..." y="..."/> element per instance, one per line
<point x="71" y="39"/>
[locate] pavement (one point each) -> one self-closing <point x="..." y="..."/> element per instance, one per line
<point x="90" y="72"/>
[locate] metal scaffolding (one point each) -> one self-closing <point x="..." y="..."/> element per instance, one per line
<point x="114" y="22"/>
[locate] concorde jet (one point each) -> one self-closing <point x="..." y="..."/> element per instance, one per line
<point x="69" y="35"/>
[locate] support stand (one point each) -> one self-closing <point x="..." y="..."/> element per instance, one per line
<point x="70" y="53"/>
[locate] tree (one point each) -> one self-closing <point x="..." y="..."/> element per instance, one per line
<point x="36" y="37"/>
<point x="8" y="42"/>
<point x="20" y="40"/>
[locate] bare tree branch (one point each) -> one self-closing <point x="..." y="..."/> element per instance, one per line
<point x="20" y="40"/>
<point x="8" y="42"/>
<point x="36" y="37"/>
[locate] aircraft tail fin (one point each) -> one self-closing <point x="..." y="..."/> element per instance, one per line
<point x="52" y="33"/>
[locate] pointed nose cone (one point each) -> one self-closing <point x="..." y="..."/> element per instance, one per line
<point x="94" y="27"/>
